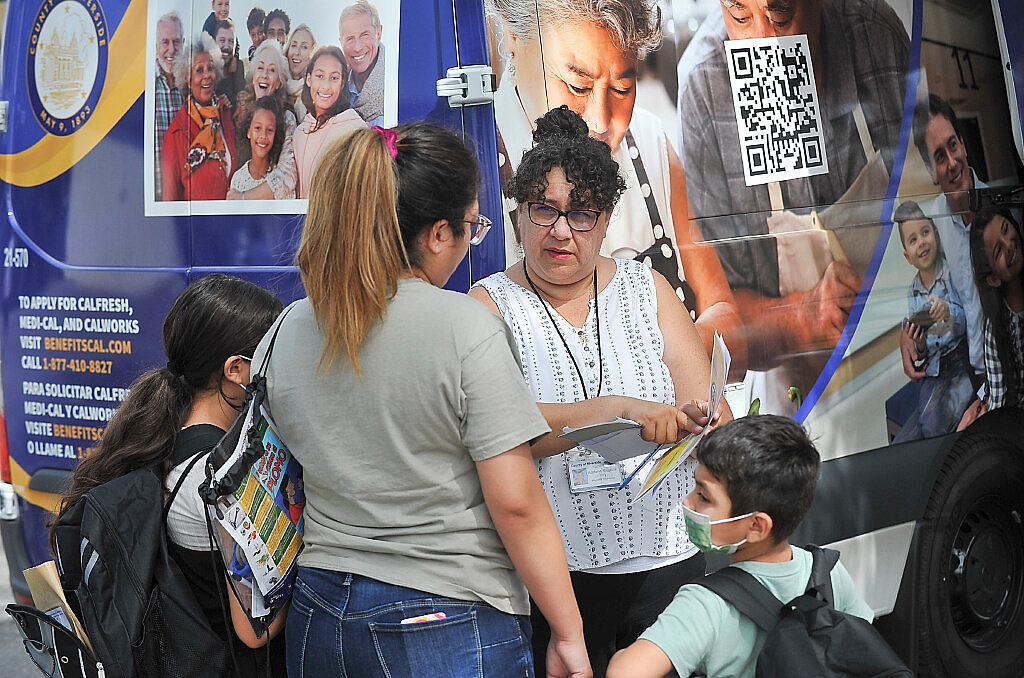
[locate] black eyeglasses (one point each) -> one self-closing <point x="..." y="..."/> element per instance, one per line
<point x="544" y="214"/>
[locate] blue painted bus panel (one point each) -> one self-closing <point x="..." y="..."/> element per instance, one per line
<point x="101" y="276"/>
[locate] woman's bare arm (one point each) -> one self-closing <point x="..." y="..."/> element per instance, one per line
<point x="685" y="355"/>
<point x="243" y="629"/>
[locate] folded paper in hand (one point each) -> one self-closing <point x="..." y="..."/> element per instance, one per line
<point x="616" y="440"/>
<point x="620" y="439"/>
<point x="670" y="461"/>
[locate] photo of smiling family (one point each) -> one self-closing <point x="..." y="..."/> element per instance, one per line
<point x="242" y="98"/>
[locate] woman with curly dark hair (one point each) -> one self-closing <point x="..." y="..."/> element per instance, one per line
<point x="600" y="338"/>
<point x="587" y="54"/>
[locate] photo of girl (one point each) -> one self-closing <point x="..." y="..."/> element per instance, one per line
<point x="265" y="132"/>
<point x="300" y="47"/>
<point x="355" y="86"/>
<point x="999" y="269"/>
<point x="267" y="80"/>
<point x="329" y="114"/>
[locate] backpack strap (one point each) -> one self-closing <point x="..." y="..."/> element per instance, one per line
<point x="742" y="590"/>
<point x="193" y="439"/>
<point x="273" y="340"/>
<point x="181" y="481"/>
<point x="821" y="572"/>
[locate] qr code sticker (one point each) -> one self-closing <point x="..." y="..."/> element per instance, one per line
<point x="777" y="110"/>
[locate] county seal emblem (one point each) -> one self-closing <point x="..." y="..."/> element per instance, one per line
<point x="67" y="63"/>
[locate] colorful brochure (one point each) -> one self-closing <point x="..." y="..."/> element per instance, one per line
<point x="263" y="519"/>
<point x="670" y="461"/>
<point x="620" y="439"/>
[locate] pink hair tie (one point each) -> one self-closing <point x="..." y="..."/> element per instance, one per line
<point x="390" y="138"/>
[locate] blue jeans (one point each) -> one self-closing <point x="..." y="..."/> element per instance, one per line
<point x="942" y="400"/>
<point x="347" y="625"/>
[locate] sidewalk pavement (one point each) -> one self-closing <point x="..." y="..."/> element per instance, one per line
<point x="13" y="658"/>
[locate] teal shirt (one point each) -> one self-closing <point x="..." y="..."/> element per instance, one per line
<point x="703" y="634"/>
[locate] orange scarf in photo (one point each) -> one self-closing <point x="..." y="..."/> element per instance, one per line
<point x="209" y="143"/>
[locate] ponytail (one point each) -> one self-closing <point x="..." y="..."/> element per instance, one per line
<point x="366" y="212"/>
<point x="351" y="255"/>
<point x="215" y="318"/>
<point x="140" y="433"/>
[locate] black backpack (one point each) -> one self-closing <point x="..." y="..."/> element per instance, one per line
<point x="140" y="612"/>
<point x="807" y="637"/>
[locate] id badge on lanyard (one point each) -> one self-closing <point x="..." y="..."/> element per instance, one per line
<point x="589" y="472"/>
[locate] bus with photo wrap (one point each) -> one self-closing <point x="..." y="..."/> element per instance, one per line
<point x="835" y="187"/>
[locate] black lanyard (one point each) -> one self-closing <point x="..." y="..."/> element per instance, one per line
<point x="597" y="318"/>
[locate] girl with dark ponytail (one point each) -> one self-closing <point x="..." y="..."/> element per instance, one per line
<point x="209" y="337"/>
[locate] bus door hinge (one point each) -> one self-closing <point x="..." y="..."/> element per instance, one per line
<point x="468" y="86"/>
<point x="3" y="116"/>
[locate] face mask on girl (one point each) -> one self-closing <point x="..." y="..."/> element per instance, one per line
<point x="698" y="527"/>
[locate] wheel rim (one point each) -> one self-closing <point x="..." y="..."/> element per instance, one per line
<point x="986" y="572"/>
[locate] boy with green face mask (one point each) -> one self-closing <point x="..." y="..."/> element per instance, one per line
<point x="755" y="481"/>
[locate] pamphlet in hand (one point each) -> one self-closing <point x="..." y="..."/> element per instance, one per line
<point x="670" y="461"/>
<point x="262" y="520"/>
<point x="616" y="440"/>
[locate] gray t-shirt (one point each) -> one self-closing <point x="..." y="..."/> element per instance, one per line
<point x="391" y="485"/>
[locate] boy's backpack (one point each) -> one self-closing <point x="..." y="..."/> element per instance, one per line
<point x="138" y="609"/>
<point x="807" y="636"/>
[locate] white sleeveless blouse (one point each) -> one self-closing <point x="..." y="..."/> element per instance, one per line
<point x="603" y="527"/>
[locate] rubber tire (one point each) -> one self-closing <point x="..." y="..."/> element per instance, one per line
<point x="981" y="462"/>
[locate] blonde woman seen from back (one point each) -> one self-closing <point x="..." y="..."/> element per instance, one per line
<point x="405" y="405"/>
